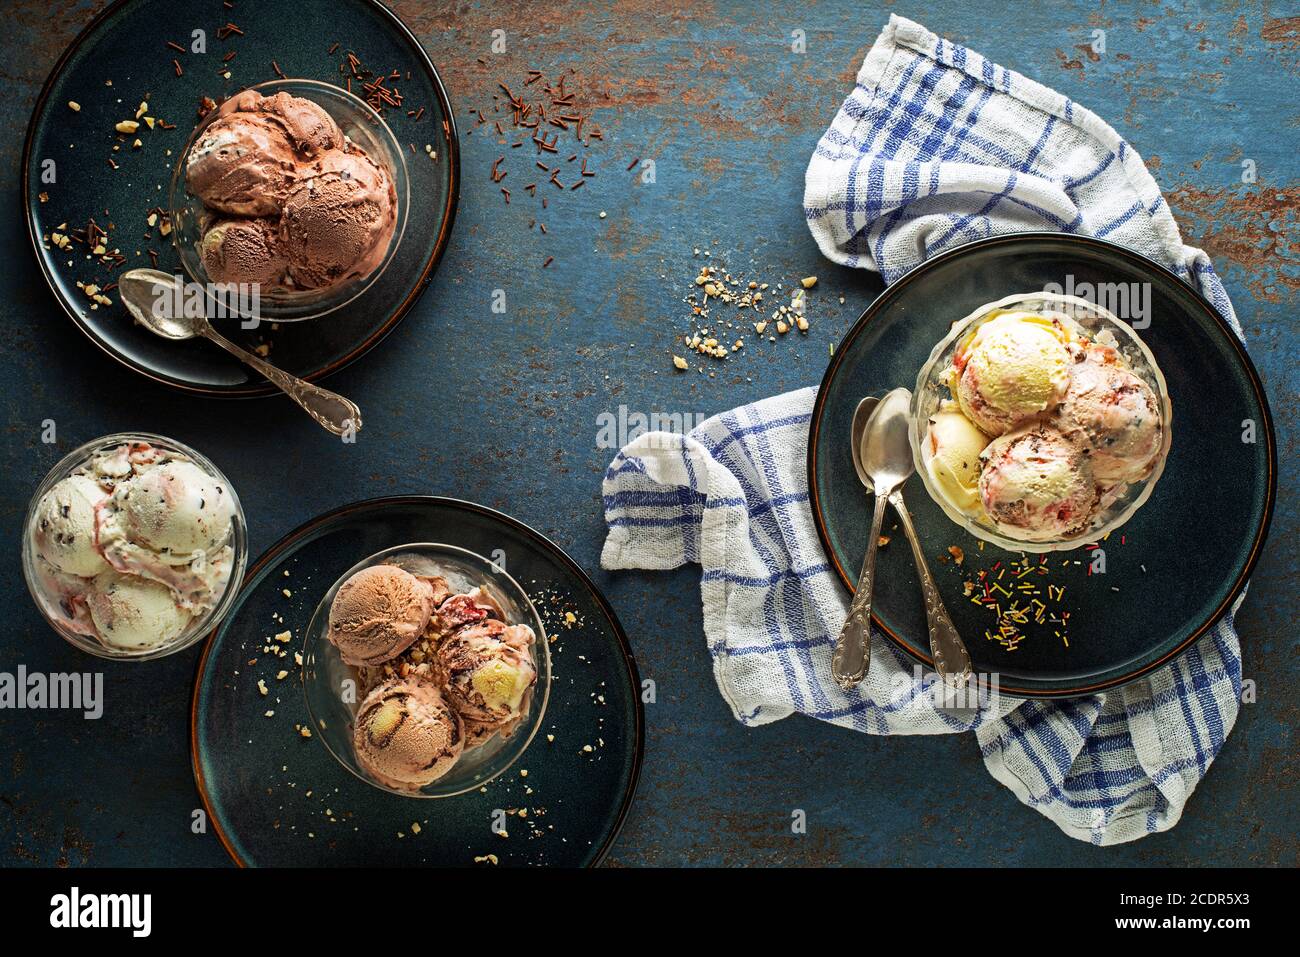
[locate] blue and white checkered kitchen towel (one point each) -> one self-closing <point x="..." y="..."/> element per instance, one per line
<point x="934" y="147"/>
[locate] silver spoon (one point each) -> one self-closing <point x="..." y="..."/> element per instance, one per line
<point x="951" y="659"/>
<point x="139" y="289"/>
<point x="879" y="436"/>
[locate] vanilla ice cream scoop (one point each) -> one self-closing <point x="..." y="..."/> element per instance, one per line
<point x="1114" y="416"/>
<point x="65" y="527"/>
<point x="1037" y="485"/>
<point x="406" y="736"/>
<point x="133" y="613"/>
<point x="952" y="457"/>
<point x="1015" y="366"/>
<point x="486" y="669"/>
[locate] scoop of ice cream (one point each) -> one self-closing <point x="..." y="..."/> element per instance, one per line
<point x="479" y="733"/>
<point x="1014" y="367"/>
<point x="305" y="123"/>
<point x="338" y="219"/>
<point x="63" y="597"/>
<point x="455" y="612"/>
<point x="406" y="736"/>
<point x="1114" y="416"/>
<point x="244" y="251"/>
<point x="65" y="527"/>
<point x="952" y="457"/>
<point x="242" y="165"/>
<point x="176" y="510"/>
<point x="484" y="674"/>
<point x="133" y="613"/>
<point x="1037" y="485"/>
<point x="378" y="613"/>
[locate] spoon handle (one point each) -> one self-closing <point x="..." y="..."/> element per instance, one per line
<point x="329" y="409"/>
<point x="951" y="659"/>
<point x="853" y="649"/>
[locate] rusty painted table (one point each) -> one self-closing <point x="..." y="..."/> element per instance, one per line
<point x="729" y="114"/>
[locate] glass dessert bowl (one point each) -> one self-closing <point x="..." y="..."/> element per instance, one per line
<point x="134" y="546"/>
<point x="1041" y="422"/>
<point x="296" y="193"/>
<point x="431" y="660"/>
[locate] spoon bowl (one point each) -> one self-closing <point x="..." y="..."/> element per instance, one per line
<point x="141" y="290"/>
<point x="861" y="415"/>
<point x="886" y="446"/>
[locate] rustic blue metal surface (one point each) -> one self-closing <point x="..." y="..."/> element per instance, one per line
<point x="504" y="408"/>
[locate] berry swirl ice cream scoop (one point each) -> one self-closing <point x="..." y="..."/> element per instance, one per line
<point x="1113" y="415"/>
<point x="1037" y="485"/>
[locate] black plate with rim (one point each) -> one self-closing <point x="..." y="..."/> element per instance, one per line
<point x="275" y="798"/>
<point x="80" y="144"/>
<point x="1170" y="571"/>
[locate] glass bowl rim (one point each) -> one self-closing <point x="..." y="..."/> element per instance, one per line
<point x="314" y="634"/>
<point x="349" y="292"/>
<point x="1094" y="533"/>
<point x="199" y="626"/>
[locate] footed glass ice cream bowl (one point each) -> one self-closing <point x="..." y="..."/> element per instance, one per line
<point x="933" y="394"/>
<point x="190" y="217"/>
<point x="335" y="690"/>
<point x="154" y="598"/>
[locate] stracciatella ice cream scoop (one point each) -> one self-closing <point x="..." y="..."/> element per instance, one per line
<point x="378" y="613"/>
<point x="65" y="527"/>
<point x="406" y="736"/>
<point x="176" y="510"/>
<point x="134" y="613"/>
<point x="1037" y="485"/>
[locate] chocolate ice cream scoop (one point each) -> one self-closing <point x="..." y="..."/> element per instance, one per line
<point x="378" y="613"/>
<point x="307" y="126"/>
<point x="338" y="219"/>
<point x="244" y="251"/>
<point x="242" y="165"/>
<point x="406" y="736"/>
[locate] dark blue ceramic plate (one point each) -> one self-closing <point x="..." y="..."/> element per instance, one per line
<point x="126" y="44"/>
<point x="278" y="799"/>
<point x="1170" y="572"/>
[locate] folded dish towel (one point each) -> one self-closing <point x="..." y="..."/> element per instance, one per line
<point x="934" y="147"/>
